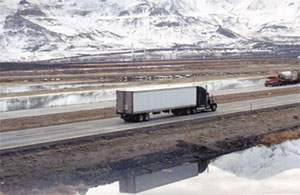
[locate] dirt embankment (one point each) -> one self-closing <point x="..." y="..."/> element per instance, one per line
<point x="7" y="69"/>
<point x="85" y="115"/>
<point x="103" y="158"/>
<point x="146" y="71"/>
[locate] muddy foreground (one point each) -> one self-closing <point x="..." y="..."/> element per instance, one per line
<point x="66" y="168"/>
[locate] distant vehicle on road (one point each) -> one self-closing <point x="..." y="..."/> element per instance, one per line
<point x="136" y="105"/>
<point x="283" y="78"/>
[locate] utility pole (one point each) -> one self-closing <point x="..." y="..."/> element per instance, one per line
<point x="132" y="52"/>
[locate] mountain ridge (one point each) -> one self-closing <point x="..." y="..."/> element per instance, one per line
<point x="38" y="29"/>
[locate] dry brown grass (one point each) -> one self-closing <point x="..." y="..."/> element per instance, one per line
<point x="256" y="95"/>
<point x="277" y="138"/>
<point x="1" y="171"/>
<point x="63" y="189"/>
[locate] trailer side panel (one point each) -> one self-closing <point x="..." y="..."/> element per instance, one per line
<point x="155" y="100"/>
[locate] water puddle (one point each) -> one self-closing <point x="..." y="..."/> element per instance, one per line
<point x="258" y="170"/>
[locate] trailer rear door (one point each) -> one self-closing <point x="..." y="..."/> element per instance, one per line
<point x="124" y="102"/>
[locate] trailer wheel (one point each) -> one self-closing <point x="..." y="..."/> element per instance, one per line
<point x="213" y="107"/>
<point x="140" y="117"/>
<point x="194" y="110"/>
<point x="146" y="117"/>
<point x="127" y="118"/>
<point x="187" y="111"/>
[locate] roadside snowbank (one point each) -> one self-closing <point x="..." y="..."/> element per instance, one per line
<point x="84" y="97"/>
<point x="52" y="87"/>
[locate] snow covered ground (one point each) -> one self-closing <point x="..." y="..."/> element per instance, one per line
<point x="262" y="162"/>
<point x="48" y="29"/>
<point x="28" y="88"/>
<point x="84" y="97"/>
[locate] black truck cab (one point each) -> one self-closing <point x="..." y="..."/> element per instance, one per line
<point x="204" y="100"/>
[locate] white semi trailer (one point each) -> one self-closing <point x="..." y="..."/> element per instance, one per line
<point x="136" y="105"/>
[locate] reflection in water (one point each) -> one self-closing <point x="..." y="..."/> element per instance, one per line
<point x="283" y="162"/>
<point x="135" y="184"/>
<point x="218" y="182"/>
<point x="258" y="170"/>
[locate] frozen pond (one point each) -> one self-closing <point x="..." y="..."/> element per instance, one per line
<point x="258" y="170"/>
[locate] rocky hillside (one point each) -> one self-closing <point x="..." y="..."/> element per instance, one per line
<point x="48" y="29"/>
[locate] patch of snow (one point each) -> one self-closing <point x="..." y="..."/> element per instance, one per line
<point x="262" y="162"/>
<point x="84" y="97"/>
<point x="71" y="28"/>
<point x="52" y="87"/>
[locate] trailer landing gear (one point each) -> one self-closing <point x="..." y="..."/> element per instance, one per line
<point x="187" y="111"/>
<point x="194" y="110"/>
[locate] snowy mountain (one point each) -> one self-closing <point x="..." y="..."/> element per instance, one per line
<point x="262" y="162"/>
<point x="40" y="29"/>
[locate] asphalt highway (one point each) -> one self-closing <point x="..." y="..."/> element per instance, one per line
<point x="73" y="108"/>
<point x="34" y="136"/>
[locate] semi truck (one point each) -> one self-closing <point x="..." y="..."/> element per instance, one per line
<point x="137" y="105"/>
<point x="283" y="78"/>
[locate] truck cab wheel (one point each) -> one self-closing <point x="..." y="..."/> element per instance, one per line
<point x="213" y="107"/>
<point x="146" y="117"/>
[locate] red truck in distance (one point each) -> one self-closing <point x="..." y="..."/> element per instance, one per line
<point x="283" y="78"/>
